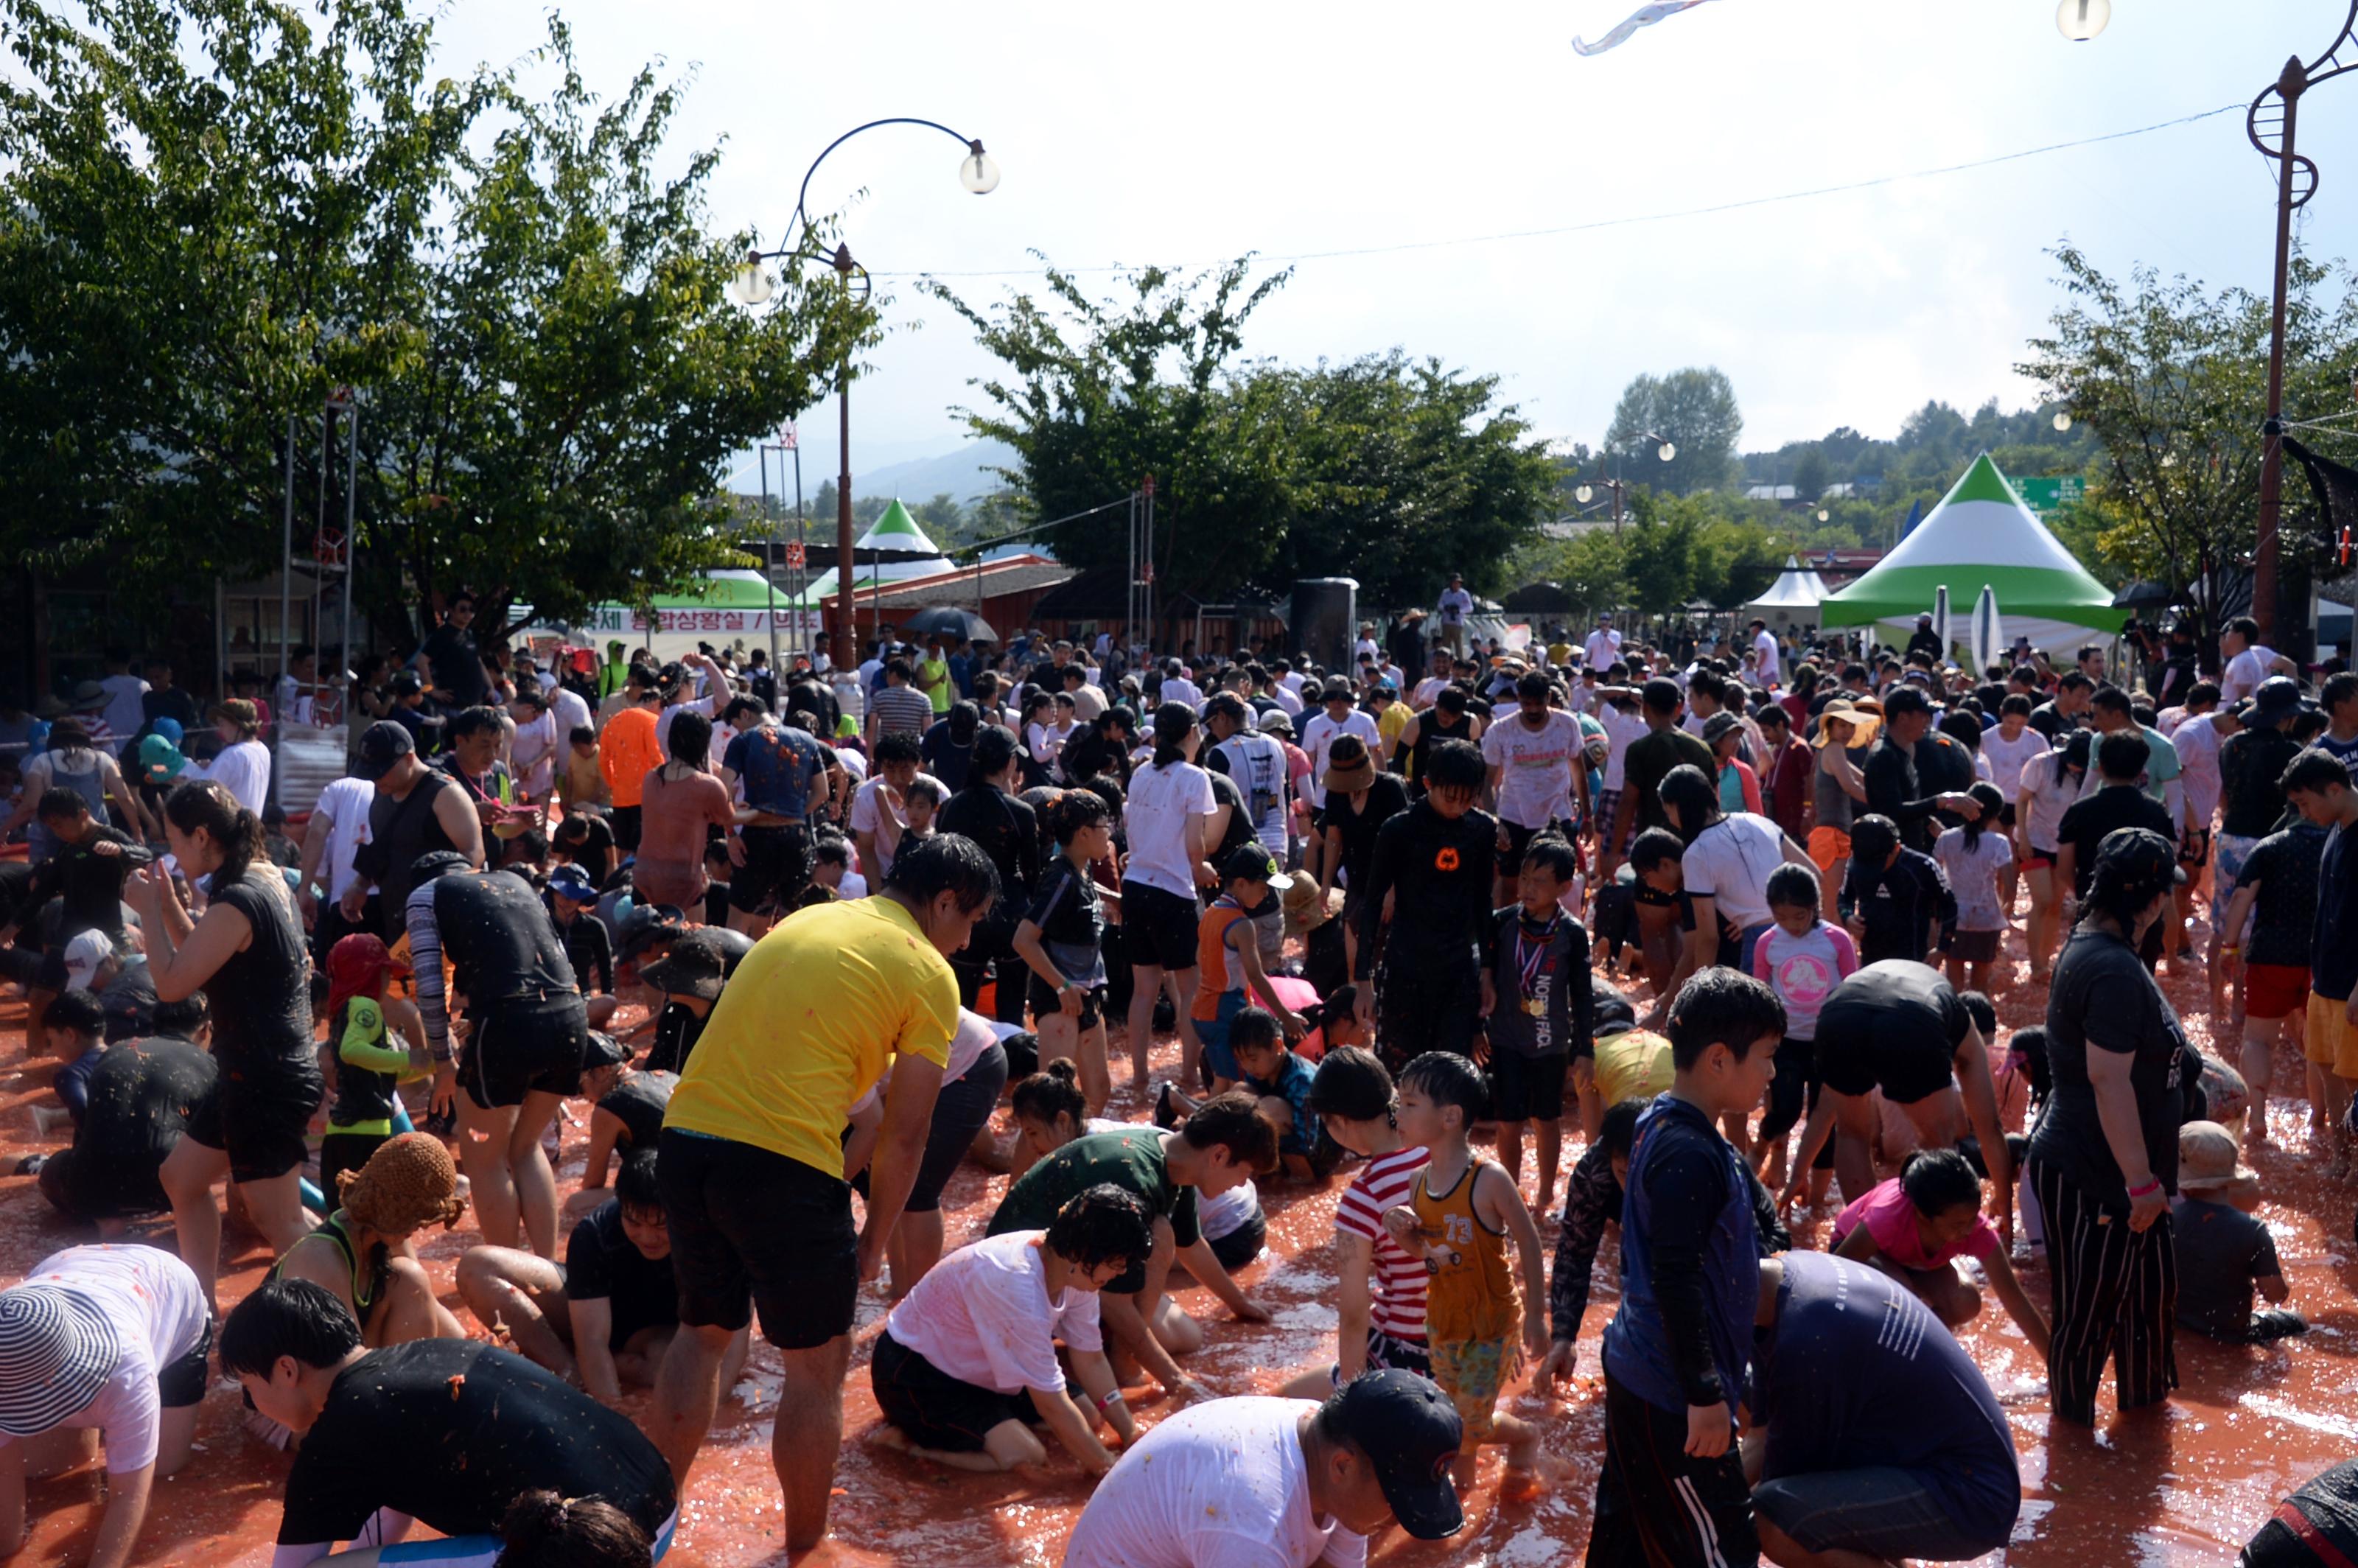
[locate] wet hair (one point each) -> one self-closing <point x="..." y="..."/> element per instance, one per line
<point x="1352" y="1084"/>
<point x="60" y="804"/>
<point x="287" y="1317"/>
<point x="926" y="789"/>
<point x="1792" y="887"/>
<point x="1720" y="1007"/>
<point x="832" y="850"/>
<point x="2018" y="703"/>
<point x="1986" y="794"/>
<point x="543" y="1530"/>
<point x="993" y="749"/>
<point x="68" y="735"/>
<point x="470" y="721"/>
<point x="1964" y="728"/>
<point x="635" y="1187"/>
<point x="1454" y="765"/>
<point x="2308" y="724"/>
<point x="1660" y="695"/>
<point x="895" y="746"/>
<point x="1983" y="1012"/>
<point x="1771" y="715"/>
<point x="964" y="719"/>
<point x="2311" y="773"/>
<point x="202" y="804"/>
<point x="77" y="1011"/>
<point x="2111" y="699"/>
<point x="1619" y="1130"/>
<point x="1688" y="788"/>
<point x="946" y="862"/>
<point x="1233" y="1121"/>
<point x="2246" y="628"/>
<point x="1448" y="1079"/>
<point x="1255" y="1027"/>
<point x="1654" y="845"/>
<point x="1055" y="1089"/>
<point x="2073" y="753"/>
<point x="1450" y="699"/>
<point x="1938" y="1179"/>
<point x="1873" y="838"/>
<point x="1073" y="812"/>
<point x="1100" y="1225"/>
<point x="2027" y="1050"/>
<point x="1552" y="854"/>
<point x="2122" y="754"/>
<point x="183" y="1017"/>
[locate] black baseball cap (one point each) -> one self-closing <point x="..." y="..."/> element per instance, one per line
<point x="383" y="744"/>
<point x="694" y="967"/>
<point x="1410" y="1434"/>
<point x="1253" y="863"/>
<point x="2140" y="857"/>
<point x="603" y="1051"/>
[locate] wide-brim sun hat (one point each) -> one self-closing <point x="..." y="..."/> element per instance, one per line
<point x="57" y="1351"/>
<point x="1350" y="777"/>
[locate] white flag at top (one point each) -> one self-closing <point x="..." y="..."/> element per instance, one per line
<point x="787" y="434"/>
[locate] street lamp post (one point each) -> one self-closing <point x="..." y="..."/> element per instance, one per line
<point x="2269" y="124"/>
<point x="979" y="175"/>
<point x="1587" y="490"/>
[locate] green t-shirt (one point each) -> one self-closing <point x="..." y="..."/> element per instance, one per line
<point x="1132" y="1158"/>
<point x="934" y="680"/>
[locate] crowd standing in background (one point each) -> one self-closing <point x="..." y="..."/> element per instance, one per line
<point x="1725" y="918"/>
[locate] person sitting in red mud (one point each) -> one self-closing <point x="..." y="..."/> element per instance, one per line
<point x="106" y="1341"/>
<point x="1276" y="1483"/>
<point x="967" y="1365"/>
<point x="443" y="1432"/>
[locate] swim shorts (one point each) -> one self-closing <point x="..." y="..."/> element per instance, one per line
<point x="1471" y="1372"/>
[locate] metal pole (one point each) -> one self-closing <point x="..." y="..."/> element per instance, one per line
<point x="1149" y="560"/>
<point x="802" y="573"/>
<point x="769" y="554"/>
<point x="846" y="650"/>
<point x="1129" y="585"/>
<point x="286" y="571"/>
<point x="2263" y="556"/>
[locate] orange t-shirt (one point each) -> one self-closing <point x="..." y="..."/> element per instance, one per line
<point x="627" y="752"/>
<point x="1213" y="964"/>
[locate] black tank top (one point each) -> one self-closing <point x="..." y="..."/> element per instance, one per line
<point x="261" y="998"/>
<point x="498" y="936"/>
<point x="639" y="1103"/>
<point x="1429" y="729"/>
<point x="406" y="829"/>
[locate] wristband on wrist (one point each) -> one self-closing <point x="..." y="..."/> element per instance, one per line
<point x="1110" y="1401"/>
<point x="2152" y="1185"/>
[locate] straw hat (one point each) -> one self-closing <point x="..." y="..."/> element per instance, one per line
<point x="1348" y="777"/>
<point x="1305" y="908"/>
<point x="1863" y="721"/>
<point x="408" y="1184"/>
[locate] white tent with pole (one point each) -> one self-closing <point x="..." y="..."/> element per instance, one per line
<point x="1795" y="595"/>
<point x="895" y="550"/>
<point x="1982" y="536"/>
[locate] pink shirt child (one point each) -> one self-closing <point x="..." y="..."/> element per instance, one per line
<point x="1890" y="1218"/>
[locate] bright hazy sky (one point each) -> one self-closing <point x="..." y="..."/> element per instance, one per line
<point x="1138" y="135"/>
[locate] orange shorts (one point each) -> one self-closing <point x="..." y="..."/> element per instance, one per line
<point x="1828" y="845"/>
<point x="2330" y="1039"/>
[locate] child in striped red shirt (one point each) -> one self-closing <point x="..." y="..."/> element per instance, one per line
<point x="1380" y="1284"/>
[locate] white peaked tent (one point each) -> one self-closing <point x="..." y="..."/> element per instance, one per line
<point x="903" y="555"/>
<point x="1980" y="536"/>
<point x="1795" y="595"/>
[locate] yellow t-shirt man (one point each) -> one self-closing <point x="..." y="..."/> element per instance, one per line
<point x="808" y="1024"/>
<point x="1633" y="1064"/>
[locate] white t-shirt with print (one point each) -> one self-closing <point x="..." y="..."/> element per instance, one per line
<point x="1974" y="873"/>
<point x="1220" y="1484"/>
<point x="1535" y="767"/>
<point x="345" y="804"/>
<point x="1161" y="802"/>
<point x="2006" y="757"/>
<point x="1318" y="732"/>
<point x="1730" y="861"/>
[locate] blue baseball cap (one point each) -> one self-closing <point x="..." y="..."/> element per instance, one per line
<point x="573" y="882"/>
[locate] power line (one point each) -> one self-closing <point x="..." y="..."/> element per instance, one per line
<point x="1598" y="223"/>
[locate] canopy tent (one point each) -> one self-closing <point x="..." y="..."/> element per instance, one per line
<point x="895" y="550"/>
<point x="1982" y="536"/>
<point x="1796" y="594"/>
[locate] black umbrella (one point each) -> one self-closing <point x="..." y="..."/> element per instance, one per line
<point x="2140" y="594"/>
<point x="949" y="621"/>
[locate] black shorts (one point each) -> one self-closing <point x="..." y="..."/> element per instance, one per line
<point x="1527" y="1088"/>
<point x="754" y="1230"/>
<point x="960" y="1110"/>
<point x="1158" y="928"/>
<point x="1425" y="1000"/>
<point x="342" y="1152"/>
<point x="1656" y="1504"/>
<point x="1855" y="1055"/>
<point x="519" y="1047"/>
<point x="1519" y="842"/>
<point x="778" y="862"/>
<point x="1797" y="1068"/>
<point x="1045" y="1004"/>
<point x="625" y="822"/>
<point x="2005" y="816"/>
<point x="184" y="1382"/>
<point x="52" y="975"/>
<point x="1243" y="1245"/>
<point x="934" y="1409"/>
<point x="258" y="1119"/>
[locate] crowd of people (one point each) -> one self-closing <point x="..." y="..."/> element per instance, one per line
<point x="1725" y="919"/>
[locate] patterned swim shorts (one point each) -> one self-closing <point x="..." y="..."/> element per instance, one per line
<point x="1471" y="1372"/>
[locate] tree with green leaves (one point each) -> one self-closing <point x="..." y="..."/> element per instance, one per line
<point x="1098" y="395"/>
<point x="2171" y="380"/>
<point x="1695" y="409"/>
<point x="216" y="212"/>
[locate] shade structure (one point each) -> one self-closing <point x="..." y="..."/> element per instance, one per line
<point x="1796" y="594"/>
<point x="1981" y="534"/>
<point x="895" y="550"/>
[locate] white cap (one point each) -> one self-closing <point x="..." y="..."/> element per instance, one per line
<point x="84" y="953"/>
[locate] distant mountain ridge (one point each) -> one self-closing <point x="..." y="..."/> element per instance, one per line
<point x="964" y="475"/>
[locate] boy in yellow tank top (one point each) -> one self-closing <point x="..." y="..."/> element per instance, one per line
<point x="1463" y="1211"/>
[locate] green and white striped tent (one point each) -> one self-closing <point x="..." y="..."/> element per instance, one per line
<point x="1980" y="536"/>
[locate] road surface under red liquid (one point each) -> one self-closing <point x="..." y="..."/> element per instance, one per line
<point x="2184" y="1485"/>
